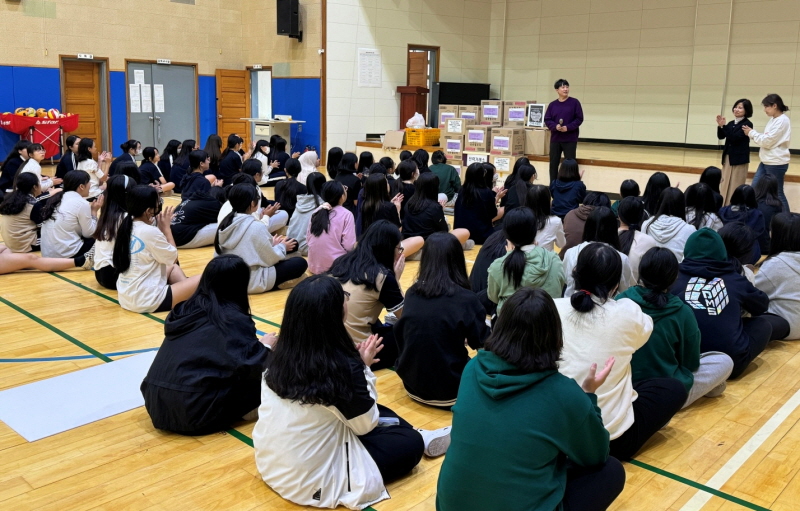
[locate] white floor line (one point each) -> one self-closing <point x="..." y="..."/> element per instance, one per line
<point x="735" y="463"/>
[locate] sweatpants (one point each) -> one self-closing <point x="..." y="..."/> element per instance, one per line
<point x="277" y="221"/>
<point x="715" y="368"/>
<point x="569" y="149"/>
<point x="395" y="449"/>
<point x="203" y="238"/>
<point x="760" y="330"/>
<point x="289" y="269"/>
<point x="658" y="400"/>
<point x="593" y="488"/>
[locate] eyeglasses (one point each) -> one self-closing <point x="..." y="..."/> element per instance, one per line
<point x="400" y="248"/>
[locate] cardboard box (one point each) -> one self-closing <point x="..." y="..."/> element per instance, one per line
<point x="470" y="113"/>
<point x="447" y="112"/>
<point x="394" y="139"/>
<point x="515" y="112"/>
<point x="491" y="111"/>
<point x="478" y="138"/>
<point x="504" y="163"/>
<point x="537" y="141"/>
<point x="508" y="141"/>
<point x="469" y="158"/>
<point x="455" y="126"/>
<point x="453" y="146"/>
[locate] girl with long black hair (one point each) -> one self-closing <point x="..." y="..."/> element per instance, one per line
<point x="701" y="207"/>
<point x="33" y="166"/>
<point x="668" y="226"/>
<point x="214" y="150"/>
<point x="657" y="183"/>
<point x="181" y="167"/>
<point x="331" y="231"/>
<point x="105" y="235"/>
<point x="334" y="159"/>
<point x="130" y="149"/>
<point x="376" y="204"/>
<point x="476" y="206"/>
<point x="168" y="157"/>
<point x="779" y="275"/>
<point x="346" y="174"/>
<point x="87" y="151"/>
<point x="151" y="173"/>
<point x="288" y="189"/>
<point x="425" y="214"/>
<point x="68" y="160"/>
<point x="744" y="208"/>
<point x="767" y="199"/>
<point x="307" y="204"/>
<point x="421" y="158"/>
<point x="712" y="177"/>
<point x="633" y="242"/>
<point x="69" y="220"/>
<point x="549" y="228"/>
<point x="15" y="158"/>
<point x="21" y="215"/>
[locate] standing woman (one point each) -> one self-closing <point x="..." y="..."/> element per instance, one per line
<point x="168" y="157"/>
<point x="87" y="151"/>
<point x="145" y="255"/>
<point x="129" y="151"/>
<point x="151" y="173"/>
<point x="563" y="118"/>
<point x="68" y="220"/>
<point x="476" y="206"/>
<point x="214" y="150"/>
<point x="774" y="143"/>
<point x="12" y="163"/>
<point x="68" y="160"/>
<point x="334" y="159"/>
<point x="736" y="151"/>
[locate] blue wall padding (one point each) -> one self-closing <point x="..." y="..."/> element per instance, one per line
<point x="119" y="111"/>
<point x="207" y="96"/>
<point x="300" y="98"/>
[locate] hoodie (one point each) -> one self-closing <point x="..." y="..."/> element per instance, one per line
<point x="298" y="225"/>
<point x="566" y="196"/>
<point x="717" y="293"/>
<point x="779" y="278"/>
<point x="537" y="421"/>
<point x="673" y="350"/>
<point x="574" y="224"/>
<point x="543" y="269"/>
<point x="669" y="232"/>
<point x="250" y="239"/>
<point x="571" y="260"/>
<point x="754" y="219"/>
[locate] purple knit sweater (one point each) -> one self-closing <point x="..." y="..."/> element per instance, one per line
<point x="571" y="113"/>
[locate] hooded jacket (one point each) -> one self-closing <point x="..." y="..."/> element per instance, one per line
<point x="779" y="278"/>
<point x="250" y="239"/>
<point x="203" y="378"/>
<point x="571" y="260"/>
<point x="537" y="420"/>
<point x="543" y="269"/>
<point x="673" y="350"/>
<point x="717" y="293"/>
<point x="308" y="165"/>
<point x="298" y="225"/>
<point x="567" y="195"/>
<point x="574" y="224"/>
<point x="754" y="219"/>
<point x="669" y="232"/>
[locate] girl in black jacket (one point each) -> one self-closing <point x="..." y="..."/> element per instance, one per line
<point x="736" y="151"/>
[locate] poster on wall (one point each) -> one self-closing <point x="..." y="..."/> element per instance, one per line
<point x="158" y="93"/>
<point x="535" y="116"/>
<point x="147" y="103"/>
<point x="136" y="105"/>
<point x="369" y="67"/>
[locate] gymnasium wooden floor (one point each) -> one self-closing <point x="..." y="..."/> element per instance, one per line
<point x="742" y="450"/>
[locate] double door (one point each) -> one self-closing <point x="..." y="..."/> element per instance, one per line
<point x="162" y="103"/>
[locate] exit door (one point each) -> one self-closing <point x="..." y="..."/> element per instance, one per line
<point x="162" y="103"/>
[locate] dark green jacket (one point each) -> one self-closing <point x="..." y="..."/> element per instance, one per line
<point x="449" y="181"/>
<point x="512" y="432"/>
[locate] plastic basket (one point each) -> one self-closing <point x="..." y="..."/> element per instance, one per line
<point x="424" y="136"/>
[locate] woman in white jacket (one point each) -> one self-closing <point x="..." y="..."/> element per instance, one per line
<point x="241" y="234"/>
<point x="668" y="226"/>
<point x="779" y="276"/>
<point x="774" y="143"/>
<point x="633" y="242"/>
<point x="322" y="439"/>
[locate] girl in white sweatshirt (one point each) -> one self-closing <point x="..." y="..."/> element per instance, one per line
<point x="774" y="143"/>
<point x="633" y="242"/>
<point x="33" y="165"/>
<point x="668" y="226"/>
<point x="779" y="276"/>
<point x="549" y="229"/>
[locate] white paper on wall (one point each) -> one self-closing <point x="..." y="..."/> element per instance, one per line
<point x="147" y="102"/>
<point x="369" y="67"/>
<point x="138" y="76"/>
<point x="136" y="105"/>
<point x="158" y="97"/>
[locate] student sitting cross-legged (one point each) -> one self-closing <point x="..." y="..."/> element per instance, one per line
<point x="779" y="275"/>
<point x="331" y="231"/>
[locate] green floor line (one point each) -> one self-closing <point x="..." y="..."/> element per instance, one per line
<point x="240" y="436"/>
<point x="689" y="482"/>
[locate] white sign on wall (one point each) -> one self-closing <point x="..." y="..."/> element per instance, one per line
<point x="369" y="67"/>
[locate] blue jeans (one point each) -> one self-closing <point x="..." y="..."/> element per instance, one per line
<point x="778" y="171"/>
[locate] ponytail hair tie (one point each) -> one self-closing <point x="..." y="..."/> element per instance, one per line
<point x="126" y="181"/>
<point x="587" y="293"/>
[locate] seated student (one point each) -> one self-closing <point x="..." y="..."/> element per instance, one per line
<point x="596" y="328"/>
<point x="718" y="295"/>
<point x="207" y="374"/>
<point x="389" y="165"/>
<point x="270" y="214"/>
<point x="87" y="151"/>
<point x="129" y="151"/>
<point x="68" y="160"/>
<point x="575" y="220"/>
<point x="740" y="241"/>
<point x="168" y="157"/>
<point x="365" y="161"/>
<point x="701" y="207"/>
<point x="779" y="276"/>
<point x="407" y="174"/>
<point x="440" y="314"/>
<point x="21" y="215"/>
<point x="331" y="231"/>
<point x="214" y="149"/>
<point x="196" y="181"/>
<point x="425" y="215"/>
<point x="309" y="161"/>
<point x="601" y="227"/>
<point x="130" y="169"/>
<point x="657" y="183"/>
<point x="261" y="154"/>
<point x="476" y="206"/>
<point x="145" y="256"/>
<point x="371" y="274"/>
<point x="319" y="424"/>
<point x="568" y="190"/>
<point x="549" y="229"/>
<point x="241" y="234"/>
<point x="181" y="165"/>
<point x="277" y="159"/>
<point x="526" y="265"/>
<point x="151" y="173"/>
<point x="69" y="220"/>
<point x="333" y="161"/>
<point x="668" y="225"/>
<point x="16" y="157"/>
<point x="33" y="166"/>
<point x="288" y="189"/>
<point x="405" y="155"/>
<point x="548" y="448"/>
<point x="105" y="235"/>
<point x="376" y="204"/>
<point x="194" y="224"/>
<point x="346" y="174"/>
<point x="492" y="249"/>
<point x="744" y="208"/>
<point x="514" y="175"/>
<point x="232" y="160"/>
<point x="632" y="241"/>
<point x="673" y="350"/>
<point x="307" y="204"/>
<point x="712" y="176"/>
<point x="769" y="203"/>
<point x="518" y="191"/>
<point x="449" y="180"/>
<point x="628" y="188"/>
<point x="421" y="158"/>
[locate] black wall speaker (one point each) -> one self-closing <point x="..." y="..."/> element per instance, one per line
<point x="289" y="19"/>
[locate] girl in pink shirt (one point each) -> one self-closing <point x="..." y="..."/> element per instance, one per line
<point x="332" y="230"/>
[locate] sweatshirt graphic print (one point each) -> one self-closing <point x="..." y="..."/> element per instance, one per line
<point x="709" y="295"/>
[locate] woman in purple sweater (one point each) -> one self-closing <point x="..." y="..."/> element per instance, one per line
<point x="563" y="118"/>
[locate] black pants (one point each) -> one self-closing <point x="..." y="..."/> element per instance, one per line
<point x="489" y="306"/>
<point x="88" y="243"/>
<point x="395" y="449"/>
<point x="760" y="330"/>
<point x="289" y="269"/>
<point x="595" y="488"/>
<point x="107" y="277"/>
<point x="390" y="352"/>
<point x="659" y="399"/>
<point x="569" y="149"/>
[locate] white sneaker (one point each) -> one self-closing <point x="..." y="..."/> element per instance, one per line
<point x="390" y="318"/>
<point x="469" y="245"/>
<point x="436" y="441"/>
<point x="89" y="255"/>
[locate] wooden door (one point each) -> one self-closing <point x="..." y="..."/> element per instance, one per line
<point x="82" y="96"/>
<point x="233" y="104"/>
<point x="418" y="68"/>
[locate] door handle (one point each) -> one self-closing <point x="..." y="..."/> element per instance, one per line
<point x="150" y="117"/>
<point x="220" y="116"/>
<point x="158" y="118"/>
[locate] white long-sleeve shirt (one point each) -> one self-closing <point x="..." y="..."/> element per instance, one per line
<point x="63" y="234"/>
<point x="552" y="233"/>
<point x="774" y="141"/>
<point x="33" y="167"/>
